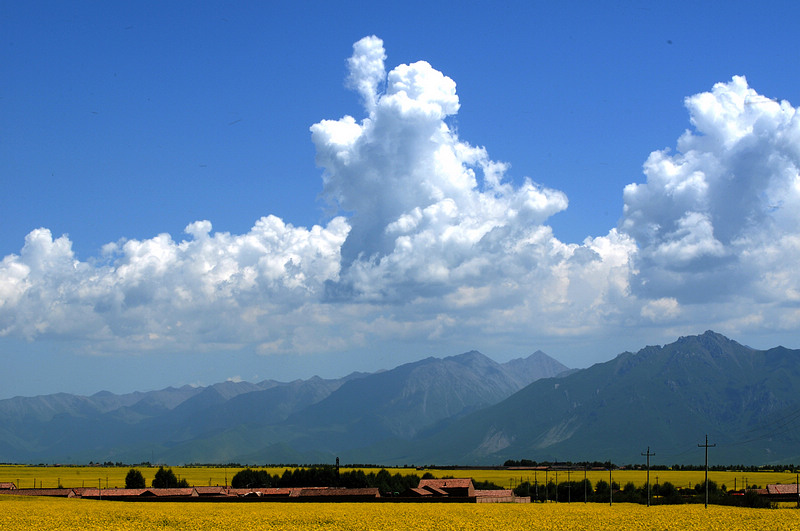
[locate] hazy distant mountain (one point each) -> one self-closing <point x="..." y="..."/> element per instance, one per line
<point x="413" y="397"/>
<point x="389" y="405"/>
<point x="270" y="421"/>
<point x="464" y="409"/>
<point x="138" y="426"/>
<point x="667" y="398"/>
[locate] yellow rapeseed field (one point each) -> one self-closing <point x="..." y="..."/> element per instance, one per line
<point x="50" y="477"/>
<point x="679" y="478"/>
<point x="19" y="512"/>
<point x="84" y="476"/>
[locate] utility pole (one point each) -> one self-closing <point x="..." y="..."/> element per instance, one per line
<point x="610" y="486"/>
<point x="569" y="487"/>
<point x="706" y="446"/>
<point x="648" y="454"/>
<point x="585" y="497"/>
<point x="546" y="484"/>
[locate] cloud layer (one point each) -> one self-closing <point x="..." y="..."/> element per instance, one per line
<point x="433" y="243"/>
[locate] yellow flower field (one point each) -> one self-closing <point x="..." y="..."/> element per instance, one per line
<point x="84" y="476"/>
<point x="679" y="478"/>
<point x="19" y="512"/>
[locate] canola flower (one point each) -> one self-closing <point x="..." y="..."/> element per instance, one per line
<point x="52" y="513"/>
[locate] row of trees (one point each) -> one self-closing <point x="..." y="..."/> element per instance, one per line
<point x="664" y="493"/>
<point x="608" y="464"/>
<point x="326" y="476"/>
<point x="165" y="479"/>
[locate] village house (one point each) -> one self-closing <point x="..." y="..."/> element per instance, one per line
<point x="784" y="493"/>
<point x="457" y="487"/>
<point x="461" y="489"/>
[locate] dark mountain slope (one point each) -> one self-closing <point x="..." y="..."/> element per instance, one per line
<point x="367" y="408"/>
<point x="413" y="397"/>
<point x="667" y="398"/>
<point x="72" y="428"/>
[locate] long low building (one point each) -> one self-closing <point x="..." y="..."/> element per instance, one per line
<point x="429" y="490"/>
<point x="209" y="494"/>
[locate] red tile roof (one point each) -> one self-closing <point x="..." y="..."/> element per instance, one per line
<point x="65" y="493"/>
<point x="502" y="493"/>
<point x="449" y="487"/>
<point x="456" y="483"/>
<point x="782" y="489"/>
<point x="332" y="491"/>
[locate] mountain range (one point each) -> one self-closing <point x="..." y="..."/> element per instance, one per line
<point x="464" y="409"/>
<point x="301" y="421"/>
<point x="666" y="398"/>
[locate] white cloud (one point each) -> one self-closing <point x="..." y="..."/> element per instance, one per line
<point x="718" y="219"/>
<point x="366" y="68"/>
<point x="429" y="211"/>
<point x="661" y="309"/>
<point x="434" y="244"/>
<point x="208" y="289"/>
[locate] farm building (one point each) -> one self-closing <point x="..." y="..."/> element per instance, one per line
<point x="461" y="487"/>
<point x="464" y="489"/>
<point x="778" y="492"/>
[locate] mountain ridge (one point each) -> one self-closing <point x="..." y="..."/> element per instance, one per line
<point x="465" y="409"/>
<point x="197" y="420"/>
<point x="666" y="396"/>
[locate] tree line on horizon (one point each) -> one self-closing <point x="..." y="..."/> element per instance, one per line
<point x="608" y="464"/>
<point x="327" y="476"/>
<point x="661" y="494"/>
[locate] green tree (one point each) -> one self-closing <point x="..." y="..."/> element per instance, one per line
<point x="249" y="478"/>
<point x="134" y="480"/>
<point x="668" y="493"/>
<point x="165" y="479"/>
<point x="523" y="489"/>
<point x="601" y="493"/>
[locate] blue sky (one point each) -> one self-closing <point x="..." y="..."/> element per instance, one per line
<point x="125" y="121"/>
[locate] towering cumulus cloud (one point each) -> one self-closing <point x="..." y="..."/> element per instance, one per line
<point x="429" y="211"/>
<point x="433" y="243"/>
<point x="719" y="220"/>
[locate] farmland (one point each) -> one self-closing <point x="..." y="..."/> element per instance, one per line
<point x="87" y="476"/>
<point x="22" y="512"/>
<point x="679" y="478"/>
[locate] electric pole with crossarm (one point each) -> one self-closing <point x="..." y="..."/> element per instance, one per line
<point x="706" y="446"/>
<point x="648" y="454"/>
